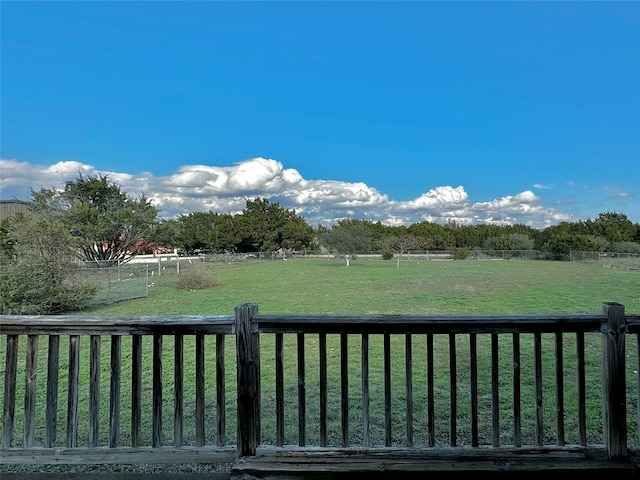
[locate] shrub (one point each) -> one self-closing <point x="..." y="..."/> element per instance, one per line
<point x="196" y="278"/>
<point x="387" y="254"/>
<point x="461" y="253"/>
<point x="27" y="288"/>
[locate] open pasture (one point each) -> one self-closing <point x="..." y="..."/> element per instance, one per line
<point x="377" y="286"/>
<point x="368" y="286"/>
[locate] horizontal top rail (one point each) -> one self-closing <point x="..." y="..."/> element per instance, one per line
<point x="116" y="325"/>
<point x="391" y="323"/>
<point x="633" y="323"/>
<point x="307" y="323"/>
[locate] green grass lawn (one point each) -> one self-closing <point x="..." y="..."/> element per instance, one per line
<point x="377" y="286"/>
<point x="367" y="286"/>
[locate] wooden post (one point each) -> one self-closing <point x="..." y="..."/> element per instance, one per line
<point x="248" y="379"/>
<point x="614" y="414"/>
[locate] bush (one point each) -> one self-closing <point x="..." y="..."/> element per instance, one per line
<point x="461" y="253"/>
<point x="28" y="289"/>
<point x="387" y="254"/>
<point x="197" y="277"/>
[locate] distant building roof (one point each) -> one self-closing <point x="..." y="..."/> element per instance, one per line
<point x="9" y="208"/>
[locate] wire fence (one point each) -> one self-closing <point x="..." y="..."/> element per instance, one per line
<point x="114" y="284"/>
<point x="630" y="261"/>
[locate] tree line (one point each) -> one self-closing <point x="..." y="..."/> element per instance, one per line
<point x="91" y="219"/>
<point x="264" y="226"/>
<point x="99" y="223"/>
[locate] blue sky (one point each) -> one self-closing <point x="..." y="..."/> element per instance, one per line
<point x="477" y="112"/>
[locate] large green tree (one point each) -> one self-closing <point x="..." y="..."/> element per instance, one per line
<point x="219" y="232"/>
<point x="561" y="239"/>
<point x="226" y="233"/>
<point x="108" y="225"/>
<point x="266" y="226"/>
<point x="614" y="227"/>
<point x="167" y="233"/>
<point x="345" y="239"/>
<point x="511" y="241"/>
<point x="196" y="230"/>
<point x="433" y="236"/>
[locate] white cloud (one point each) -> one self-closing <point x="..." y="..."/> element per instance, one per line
<point x="24" y="174"/>
<point x="197" y="188"/>
<point x="437" y="197"/>
<point x="615" y="192"/>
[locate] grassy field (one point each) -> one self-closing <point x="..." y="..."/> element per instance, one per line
<point x="377" y="286"/>
<point x="368" y="286"/>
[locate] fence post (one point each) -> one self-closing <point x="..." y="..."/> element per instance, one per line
<point x="614" y="407"/>
<point x="248" y="379"/>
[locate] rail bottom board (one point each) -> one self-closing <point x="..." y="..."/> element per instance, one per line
<point x="344" y="464"/>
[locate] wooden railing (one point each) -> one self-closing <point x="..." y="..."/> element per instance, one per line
<point x="498" y="406"/>
<point x="146" y="434"/>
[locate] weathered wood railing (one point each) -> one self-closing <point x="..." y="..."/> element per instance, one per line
<point x="440" y="422"/>
<point x="145" y="438"/>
